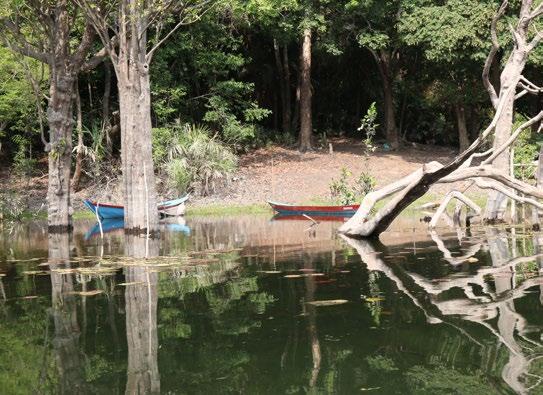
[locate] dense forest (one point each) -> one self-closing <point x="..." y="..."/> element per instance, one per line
<point x="229" y="76"/>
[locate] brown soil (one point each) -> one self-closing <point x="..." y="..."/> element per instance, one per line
<point x="285" y="174"/>
<point x="276" y="173"/>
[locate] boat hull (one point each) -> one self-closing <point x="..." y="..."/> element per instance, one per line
<point x="110" y="211"/>
<point x="314" y="211"/>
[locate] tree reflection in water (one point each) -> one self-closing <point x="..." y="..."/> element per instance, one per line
<point x="491" y="307"/>
<point x="64" y="311"/>
<point x="141" y="299"/>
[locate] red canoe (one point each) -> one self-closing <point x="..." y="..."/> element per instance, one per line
<point x="316" y="211"/>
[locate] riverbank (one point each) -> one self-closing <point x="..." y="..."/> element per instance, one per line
<point x="272" y="173"/>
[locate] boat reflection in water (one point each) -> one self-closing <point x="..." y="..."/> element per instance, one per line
<point x="172" y="224"/>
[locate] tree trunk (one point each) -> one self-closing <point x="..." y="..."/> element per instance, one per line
<point x="59" y="116"/>
<point x="306" y="123"/>
<point x="463" y="135"/>
<point x="286" y="87"/>
<point x="79" y="126"/>
<point x="283" y="88"/>
<point x="106" y="123"/>
<point x="296" y="116"/>
<point x="538" y="184"/>
<point x="140" y="203"/>
<point x="497" y="202"/>
<point x="384" y="62"/>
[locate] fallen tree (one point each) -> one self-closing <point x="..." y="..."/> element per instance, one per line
<point x="513" y="86"/>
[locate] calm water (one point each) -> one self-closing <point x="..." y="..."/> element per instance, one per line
<point x="246" y="305"/>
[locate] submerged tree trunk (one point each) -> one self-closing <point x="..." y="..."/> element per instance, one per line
<point x="384" y="61"/>
<point x="59" y="116"/>
<point x="306" y="119"/>
<point x="463" y="135"/>
<point x="140" y="202"/>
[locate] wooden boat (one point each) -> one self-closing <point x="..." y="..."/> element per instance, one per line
<point x="314" y="211"/>
<point x="108" y="211"/>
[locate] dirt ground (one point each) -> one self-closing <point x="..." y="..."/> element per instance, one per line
<point x="286" y="175"/>
<point x="276" y="173"/>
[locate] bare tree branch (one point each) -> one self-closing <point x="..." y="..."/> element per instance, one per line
<point x="492" y="54"/>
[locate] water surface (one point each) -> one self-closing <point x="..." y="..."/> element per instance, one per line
<point x="248" y="305"/>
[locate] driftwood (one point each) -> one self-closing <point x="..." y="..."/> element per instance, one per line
<point x="490" y="174"/>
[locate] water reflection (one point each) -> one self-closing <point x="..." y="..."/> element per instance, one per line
<point x="247" y="305"/>
<point x="64" y="310"/>
<point x="141" y="299"/>
<point x="172" y="224"/>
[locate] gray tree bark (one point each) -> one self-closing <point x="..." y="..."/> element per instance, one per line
<point x="306" y="116"/>
<point x="79" y="153"/>
<point x="510" y="77"/>
<point x="59" y="116"/>
<point x="140" y="214"/>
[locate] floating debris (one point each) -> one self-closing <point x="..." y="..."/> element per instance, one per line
<point x="30" y="297"/>
<point x="370" y="389"/>
<point x="324" y="303"/>
<point x="344" y="271"/>
<point x="313" y="274"/>
<point x="472" y="260"/>
<point x="89" y="293"/>
<point x="374" y="299"/>
<point x="63" y="271"/>
<point x="35" y="272"/>
<point x="293" y="276"/>
<point x="130" y="283"/>
<point x="269" y="271"/>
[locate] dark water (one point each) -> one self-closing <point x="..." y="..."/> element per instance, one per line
<point x="235" y="305"/>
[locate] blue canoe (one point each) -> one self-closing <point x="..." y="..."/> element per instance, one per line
<point x="110" y="211"/>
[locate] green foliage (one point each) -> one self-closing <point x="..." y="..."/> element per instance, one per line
<point x="197" y="79"/>
<point x="194" y="160"/>
<point x="526" y="151"/>
<point x="369" y="126"/>
<point x="237" y="125"/>
<point x="444" y="380"/>
<point x="381" y="363"/>
<point x="23" y="162"/>
<point x="345" y="191"/>
<point x="450" y="31"/>
<point x="11" y="206"/>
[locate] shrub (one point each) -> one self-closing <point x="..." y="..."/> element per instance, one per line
<point x="526" y="151"/>
<point x="11" y="206"/>
<point x="195" y="159"/>
<point x="345" y="191"/>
